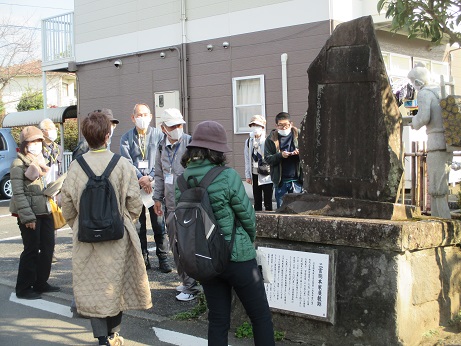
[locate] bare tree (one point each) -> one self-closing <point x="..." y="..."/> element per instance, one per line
<point x="18" y="46"/>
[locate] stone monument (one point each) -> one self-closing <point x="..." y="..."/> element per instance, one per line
<point x="348" y="269"/>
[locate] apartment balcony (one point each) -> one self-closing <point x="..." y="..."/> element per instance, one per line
<point x="58" y="47"/>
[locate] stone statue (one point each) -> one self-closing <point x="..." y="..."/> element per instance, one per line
<point x="438" y="159"/>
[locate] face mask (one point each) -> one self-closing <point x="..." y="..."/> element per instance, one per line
<point x="176" y="133"/>
<point x="111" y="131"/>
<point x="52" y="135"/>
<point x="142" y="122"/>
<point x="34" y="148"/>
<point x="285" y="132"/>
<point x="257" y="131"/>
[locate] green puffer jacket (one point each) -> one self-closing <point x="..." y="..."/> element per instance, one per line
<point x="228" y="197"/>
<point x="28" y="199"/>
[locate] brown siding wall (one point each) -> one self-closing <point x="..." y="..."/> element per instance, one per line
<point x="209" y="79"/>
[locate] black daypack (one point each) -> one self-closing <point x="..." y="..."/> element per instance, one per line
<point x="203" y="251"/>
<point x="99" y="218"/>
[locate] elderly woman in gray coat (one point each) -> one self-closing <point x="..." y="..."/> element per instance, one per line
<point x="110" y="276"/>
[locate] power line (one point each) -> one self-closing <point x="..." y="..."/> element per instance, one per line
<point x="52" y="8"/>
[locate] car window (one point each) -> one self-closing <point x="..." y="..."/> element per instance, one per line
<point x="3" y="145"/>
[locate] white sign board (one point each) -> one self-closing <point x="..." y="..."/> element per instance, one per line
<point x="300" y="281"/>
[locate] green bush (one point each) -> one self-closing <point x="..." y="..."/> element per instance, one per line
<point x="30" y="101"/>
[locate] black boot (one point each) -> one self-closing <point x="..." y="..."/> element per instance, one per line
<point x="146" y="260"/>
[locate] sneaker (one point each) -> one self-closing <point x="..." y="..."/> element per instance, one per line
<point x="180" y="288"/>
<point x="115" y="340"/>
<point x="28" y="294"/>
<point x="185" y="297"/>
<point x="47" y="288"/>
<point x="165" y="267"/>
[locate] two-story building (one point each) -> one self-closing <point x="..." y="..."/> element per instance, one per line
<point x="221" y="60"/>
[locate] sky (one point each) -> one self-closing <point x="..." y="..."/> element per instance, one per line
<point x="29" y="13"/>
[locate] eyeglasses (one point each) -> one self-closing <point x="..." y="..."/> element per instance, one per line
<point x="283" y="126"/>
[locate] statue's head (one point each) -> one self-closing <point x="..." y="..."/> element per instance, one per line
<point x="419" y="77"/>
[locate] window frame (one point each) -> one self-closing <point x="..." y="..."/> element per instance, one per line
<point x="235" y="106"/>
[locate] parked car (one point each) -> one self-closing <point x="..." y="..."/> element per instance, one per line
<point x="8" y="152"/>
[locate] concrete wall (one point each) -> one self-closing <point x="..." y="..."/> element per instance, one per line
<point x="394" y="280"/>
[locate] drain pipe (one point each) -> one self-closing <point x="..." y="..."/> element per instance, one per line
<point x="284" y="58"/>
<point x="183" y="80"/>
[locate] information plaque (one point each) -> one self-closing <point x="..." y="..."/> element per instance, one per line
<point x="300" y="281"/>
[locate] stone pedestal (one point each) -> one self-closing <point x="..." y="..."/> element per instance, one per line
<point x="394" y="280"/>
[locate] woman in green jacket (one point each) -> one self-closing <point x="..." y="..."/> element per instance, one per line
<point x="228" y="200"/>
<point x="33" y="211"/>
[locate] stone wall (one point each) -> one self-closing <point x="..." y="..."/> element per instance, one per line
<point x="394" y="280"/>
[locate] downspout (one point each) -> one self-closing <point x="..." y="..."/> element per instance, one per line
<point x="284" y="58"/>
<point x="183" y="80"/>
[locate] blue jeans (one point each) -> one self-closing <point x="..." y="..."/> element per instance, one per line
<point x="247" y="282"/>
<point x="286" y="187"/>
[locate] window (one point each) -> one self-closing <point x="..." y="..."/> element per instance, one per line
<point x="248" y="98"/>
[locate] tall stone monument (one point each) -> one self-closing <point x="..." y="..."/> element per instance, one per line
<point x="350" y="141"/>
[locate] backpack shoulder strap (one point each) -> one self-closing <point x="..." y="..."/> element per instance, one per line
<point x="111" y="165"/>
<point x="182" y="184"/>
<point x="211" y="175"/>
<point x="81" y="161"/>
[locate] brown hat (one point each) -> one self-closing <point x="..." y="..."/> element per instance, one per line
<point x="257" y="120"/>
<point x="107" y="112"/>
<point x="211" y="135"/>
<point x="30" y="133"/>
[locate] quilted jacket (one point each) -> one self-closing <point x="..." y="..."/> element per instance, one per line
<point x="228" y="198"/>
<point x="108" y="277"/>
<point x="28" y="199"/>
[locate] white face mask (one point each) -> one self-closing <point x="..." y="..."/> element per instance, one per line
<point x="176" y="133"/>
<point x="285" y="132"/>
<point x="35" y="148"/>
<point x="52" y="135"/>
<point x="111" y="131"/>
<point x="143" y="122"/>
<point x="257" y="131"/>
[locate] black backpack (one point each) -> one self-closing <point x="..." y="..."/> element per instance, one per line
<point x="99" y="218"/>
<point x="202" y="250"/>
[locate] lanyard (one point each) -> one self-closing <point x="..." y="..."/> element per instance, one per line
<point x="142" y="145"/>
<point x="172" y="159"/>
<point x="50" y="154"/>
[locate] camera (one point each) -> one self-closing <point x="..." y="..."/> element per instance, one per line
<point x="209" y="47"/>
<point x="118" y="63"/>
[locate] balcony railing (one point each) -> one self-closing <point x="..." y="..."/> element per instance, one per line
<point x="58" y="40"/>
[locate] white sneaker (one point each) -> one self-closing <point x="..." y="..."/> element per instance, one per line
<point x="185" y="297"/>
<point x="180" y="288"/>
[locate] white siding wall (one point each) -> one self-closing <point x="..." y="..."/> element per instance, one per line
<point x="105" y="29"/>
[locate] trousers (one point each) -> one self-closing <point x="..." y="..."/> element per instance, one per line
<point x="106" y="326"/>
<point x="158" y="227"/>
<point x="258" y="191"/>
<point x="246" y="280"/>
<point x="35" y="260"/>
<point x="284" y="188"/>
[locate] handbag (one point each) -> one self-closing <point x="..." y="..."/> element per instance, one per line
<point x="263" y="167"/>
<point x="56" y="212"/>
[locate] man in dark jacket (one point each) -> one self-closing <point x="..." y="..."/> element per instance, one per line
<point x="282" y="154"/>
<point x="140" y="145"/>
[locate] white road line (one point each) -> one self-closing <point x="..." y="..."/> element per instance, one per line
<point x="44" y="305"/>
<point x="178" y="339"/>
<point x="19" y="237"/>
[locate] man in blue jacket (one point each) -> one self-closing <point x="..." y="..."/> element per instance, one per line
<point x="139" y="145"/>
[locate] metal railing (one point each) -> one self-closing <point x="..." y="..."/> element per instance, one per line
<point x="67" y="159"/>
<point x="58" y="38"/>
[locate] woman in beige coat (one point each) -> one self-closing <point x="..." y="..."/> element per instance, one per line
<point x="108" y="277"/>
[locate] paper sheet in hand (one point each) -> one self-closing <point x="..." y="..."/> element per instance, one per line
<point x="147" y="197"/>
